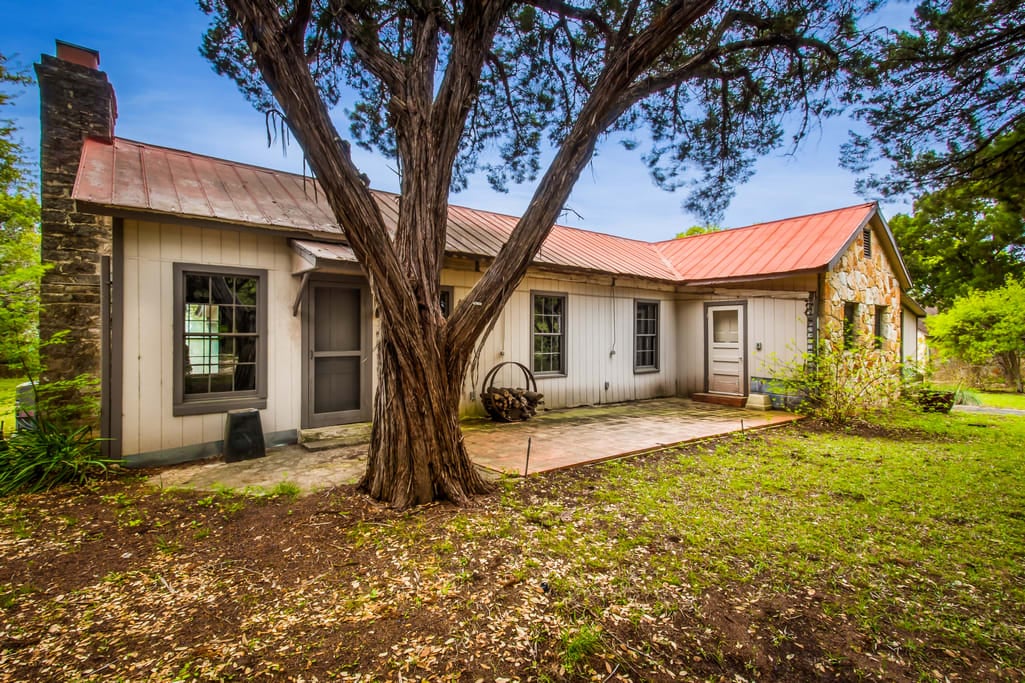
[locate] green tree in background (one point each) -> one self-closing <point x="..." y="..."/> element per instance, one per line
<point x="946" y="102"/>
<point x="20" y="269"/>
<point x="958" y="240"/>
<point x="985" y="327"/>
<point x="698" y="230"/>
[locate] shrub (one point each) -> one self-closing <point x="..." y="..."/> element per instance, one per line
<point x="33" y="460"/>
<point x="839" y="384"/>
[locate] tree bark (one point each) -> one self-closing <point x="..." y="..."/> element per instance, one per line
<point x="417" y="453"/>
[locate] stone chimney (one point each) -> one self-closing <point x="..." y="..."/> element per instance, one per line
<point x="76" y="102"/>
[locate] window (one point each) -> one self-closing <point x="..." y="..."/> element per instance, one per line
<point x="850" y="323"/>
<point x="220" y="339"/>
<point x="645" y="336"/>
<point x="866" y="242"/>
<point x="446" y="299"/>
<point x="880" y="326"/>
<point x="549" y="333"/>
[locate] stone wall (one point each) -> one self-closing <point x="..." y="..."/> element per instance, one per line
<point x="868" y="282"/>
<point x="76" y="102"/>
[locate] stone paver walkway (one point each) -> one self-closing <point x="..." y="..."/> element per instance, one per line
<point x="988" y="410"/>
<point x="310" y="471"/>
<point x="564" y="438"/>
<point x="558" y="439"/>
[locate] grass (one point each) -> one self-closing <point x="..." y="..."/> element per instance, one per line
<point x="921" y="535"/>
<point x="994" y="399"/>
<point x="1002" y="399"/>
<point x="884" y="552"/>
<point x="8" y="385"/>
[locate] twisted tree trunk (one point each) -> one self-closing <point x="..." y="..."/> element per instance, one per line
<point x="417" y="452"/>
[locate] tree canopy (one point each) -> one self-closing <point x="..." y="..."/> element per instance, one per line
<point x="945" y="102"/>
<point x="713" y="98"/>
<point x="698" y="230"/>
<point x="957" y="240"/>
<point x="985" y="327"/>
<point x="20" y="269"/>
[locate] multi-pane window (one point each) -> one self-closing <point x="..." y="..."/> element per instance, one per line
<point x="880" y="326"/>
<point x="549" y="333"/>
<point x="220" y="338"/>
<point x="645" y="335"/>
<point x="850" y="323"/>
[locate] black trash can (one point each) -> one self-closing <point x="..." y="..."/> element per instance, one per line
<point x="243" y="435"/>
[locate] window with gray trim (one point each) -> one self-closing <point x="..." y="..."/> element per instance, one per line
<point x="549" y="333"/>
<point x="446" y="299"/>
<point x="645" y="336"/>
<point x="220" y="333"/>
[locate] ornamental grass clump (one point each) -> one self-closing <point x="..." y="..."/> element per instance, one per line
<point x="47" y="455"/>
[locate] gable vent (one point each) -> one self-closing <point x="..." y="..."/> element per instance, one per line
<point x="866" y="239"/>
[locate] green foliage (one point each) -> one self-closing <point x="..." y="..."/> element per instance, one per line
<point x="946" y="101"/>
<point x="38" y="459"/>
<point x="966" y="397"/>
<point x="698" y="230"/>
<point x="840" y="384"/>
<point x="958" y="240"/>
<point x="984" y="327"/>
<point x="19" y="243"/>
<point x="578" y="644"/>
<point x="712" y="101"/>
<point x="8" y="391"/>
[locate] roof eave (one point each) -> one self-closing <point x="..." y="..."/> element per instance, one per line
<point x="753" y="278"/>
<point x="157" y="216"/>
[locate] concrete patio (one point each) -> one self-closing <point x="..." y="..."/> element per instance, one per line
<point x="557" y="439"/>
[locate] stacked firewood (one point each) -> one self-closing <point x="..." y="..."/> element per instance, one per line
<point x="505" y="404"/>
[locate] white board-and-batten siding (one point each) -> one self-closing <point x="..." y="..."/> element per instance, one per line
<point x="599" y="335"/>
<point x="150" y="252"/>
<point x="599" y="340"/>
<point x="776" y="320"/>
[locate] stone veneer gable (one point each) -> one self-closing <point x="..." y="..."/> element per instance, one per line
<point x="869" y="282"/>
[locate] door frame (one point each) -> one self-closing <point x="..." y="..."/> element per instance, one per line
<point x="742" y="303"/>
<point x="308" y="419"/>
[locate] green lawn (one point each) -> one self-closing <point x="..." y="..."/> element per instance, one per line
<point x="1002" y="399"/>
<point x="7" y="387"/>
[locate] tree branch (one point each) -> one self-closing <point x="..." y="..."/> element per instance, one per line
<point x="365" y="43"/>
<point x="701" y="61"/>
<point x="568" y="11"/>
<point x="300" y="20"/>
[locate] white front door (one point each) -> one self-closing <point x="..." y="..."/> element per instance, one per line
<point x="724" y="349"/>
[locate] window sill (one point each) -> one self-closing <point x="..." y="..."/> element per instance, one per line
<point x="549" y="375"/>
<point x="218" y="405"/>
<point x="646" y="371"/>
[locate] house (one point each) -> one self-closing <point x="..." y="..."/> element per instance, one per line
<point x="193" y="286"/>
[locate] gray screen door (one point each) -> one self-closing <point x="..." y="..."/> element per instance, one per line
<point x="337" y="351"/>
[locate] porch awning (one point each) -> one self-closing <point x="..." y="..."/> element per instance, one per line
<point x="310" y="255"/>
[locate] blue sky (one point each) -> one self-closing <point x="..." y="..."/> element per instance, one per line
<point x="169" y="95"/>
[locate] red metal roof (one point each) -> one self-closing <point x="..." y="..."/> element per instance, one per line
<point x="792" y="245"/>
<point x="134" y="177"/>
<point x="126" y="177"/>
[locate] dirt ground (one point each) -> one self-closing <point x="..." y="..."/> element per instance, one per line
<point x="124" y="583"/>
